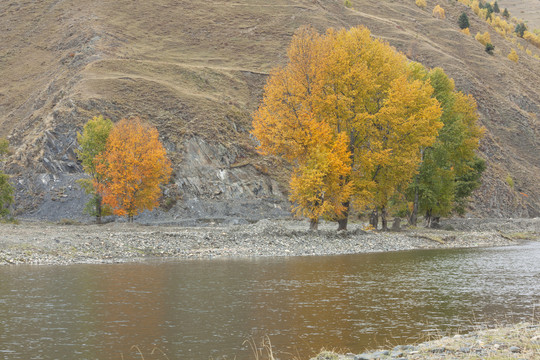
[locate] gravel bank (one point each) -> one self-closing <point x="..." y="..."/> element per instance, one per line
<point x="521" y="341"/>
<point x="46" y="243"/>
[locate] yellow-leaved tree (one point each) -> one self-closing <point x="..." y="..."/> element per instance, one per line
<point x="132" y="168"/>
<point x="348" y="116"/>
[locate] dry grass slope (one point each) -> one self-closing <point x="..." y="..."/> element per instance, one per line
<point x="198" y="69"/>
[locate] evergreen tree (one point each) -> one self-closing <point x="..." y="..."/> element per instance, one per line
<point x="463" y="21"/>
<point x="489" y="48"/>
<point x="496" y="7"/>
<point x="520" y="29"/>
<point x="506" y="14"/>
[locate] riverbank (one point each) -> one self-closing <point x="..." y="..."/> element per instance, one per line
<point x="521" y="341"/>
<point x="48" y="243"/>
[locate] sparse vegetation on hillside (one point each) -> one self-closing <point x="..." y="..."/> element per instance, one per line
<point x="486" y="11"/>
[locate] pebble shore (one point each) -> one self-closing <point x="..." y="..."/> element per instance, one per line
<point x="55" y="244"/>
<point x="521" y="341"/>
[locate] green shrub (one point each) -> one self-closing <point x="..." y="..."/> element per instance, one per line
<point x="510" y="181"/>
<point x="348" y="3"/>
<point x="489" y="48"/>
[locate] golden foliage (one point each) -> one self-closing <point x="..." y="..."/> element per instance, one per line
<point x="466" y="31"/>
<point x="134" y="165"/>
<point x="532" y="38"/>
<point x="421" y="4"/>
<point x="438" y="12"/>
<point x="513" y="56"/>
<point x="484" y="38"/>
<point x="345" y="113"/>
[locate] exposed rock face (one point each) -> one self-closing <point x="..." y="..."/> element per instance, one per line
<point x="196" y="70"/>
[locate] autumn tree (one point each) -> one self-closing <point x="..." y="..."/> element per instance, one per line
<point x="436" y="189"/>
<point x="6" y="189"/>
<point x="92" y="142"/>
<point x="358" y="90"/>
<point x="133" y="166"/>
<point x="421" y="4"/>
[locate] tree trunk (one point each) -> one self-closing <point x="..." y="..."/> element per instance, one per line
<point x="98" y="209"/>
<point x="374" y="219"/>
<point x="413" y="219"/>
<point x="428" y="218"/>
<point x="383" y="219"/>
<point x="313" y="224"/>
<point x="342" y="222"/>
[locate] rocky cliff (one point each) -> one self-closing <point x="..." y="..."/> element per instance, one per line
<point x="196" y="70"/>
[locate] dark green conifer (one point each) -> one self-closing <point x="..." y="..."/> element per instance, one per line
<point x="463" y="21"/>
<point x="520" y="29"/>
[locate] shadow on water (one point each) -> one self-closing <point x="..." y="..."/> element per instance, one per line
<point x="206" y="309"/>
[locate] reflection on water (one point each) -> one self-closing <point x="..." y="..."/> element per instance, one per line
<point x="206" y="309"/>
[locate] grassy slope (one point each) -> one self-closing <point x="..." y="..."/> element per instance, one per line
<point x="198" y="68"/>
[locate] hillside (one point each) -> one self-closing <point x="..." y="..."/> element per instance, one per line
<point x="196" y="70"/>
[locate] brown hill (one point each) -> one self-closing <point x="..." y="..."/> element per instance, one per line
<point x="196" y="70"/>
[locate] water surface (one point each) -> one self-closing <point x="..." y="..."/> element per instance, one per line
<point x="205" y="309"/>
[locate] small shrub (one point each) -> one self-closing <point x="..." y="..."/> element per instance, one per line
<point x="489" y="48"/>
<point x="463" y="21"/>
<point x="510" y="181"/>
<point x="466" y="31"/>
<point x="421" y="4"/>
<point x="348" y="3"/>
<point x="438" y="12"/>
<point x="513" y="56"/>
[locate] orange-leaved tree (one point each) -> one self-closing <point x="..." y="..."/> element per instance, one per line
<point x="133" y="166"/>
<point x="345" y="89"/>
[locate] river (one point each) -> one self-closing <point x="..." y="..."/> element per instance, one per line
<point x="206" y="309"/>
